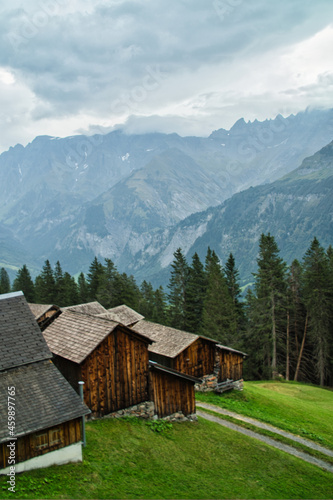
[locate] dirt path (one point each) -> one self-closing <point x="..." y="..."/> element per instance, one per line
<point x="280" y="446"/>
<point x="262" y="425"/>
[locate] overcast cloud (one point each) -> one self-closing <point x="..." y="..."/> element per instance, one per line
<point x="186" y="66"/>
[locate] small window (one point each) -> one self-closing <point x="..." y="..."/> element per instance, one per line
<point x="42" y="440"/>
<point x="55" y="437"/>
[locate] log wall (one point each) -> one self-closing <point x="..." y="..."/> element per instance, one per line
<point x="171" y="394"/>
<point x="116" y="373"/>
<point x="197" y="360"/>
<point x="231" y="365"/>
<point x="41" y="442"/>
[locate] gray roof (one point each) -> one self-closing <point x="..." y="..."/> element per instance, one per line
<point x="92" y="308"/>
<point x="123" y="314"/>
<point x="43" y="398"/>
<point x="21" y="341"/>
<point x="167" y="341"/>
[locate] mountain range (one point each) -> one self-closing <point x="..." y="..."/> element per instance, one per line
<point x="136" y="198"/>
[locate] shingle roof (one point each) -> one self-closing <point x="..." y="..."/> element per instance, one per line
<point x="167" y="341"/>
<point x="170" y="371"/>
<point x="21" y="341"/>
<point x="43" y="398"/>
<point x="93" y="308"/>
<point x="225" y="348"/>
<point x="75" y="335"/>
<point x="123" y="314"/>
<point x="39" y="309"/>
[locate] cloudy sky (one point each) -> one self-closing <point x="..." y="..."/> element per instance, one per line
<point x="186" y="66"/>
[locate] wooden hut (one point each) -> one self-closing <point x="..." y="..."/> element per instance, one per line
<point x="110" y="358"/>
<point x="185" y="352"/>
<point x="230" y="363"/>
<point x="45" y="409"/>
<point x="123" y="314"/>
<point x="171" y="391"/>
<point x="44" y="313"/>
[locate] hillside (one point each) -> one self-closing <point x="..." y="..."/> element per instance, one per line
<point x="127" y="459"/>
<point x="122" y="196"/>
<point x="293" y="209"/>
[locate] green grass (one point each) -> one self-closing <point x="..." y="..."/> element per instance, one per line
<point x="301" y="409"/>
<point x="128" y="459"/>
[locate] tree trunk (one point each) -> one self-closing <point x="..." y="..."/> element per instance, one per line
<point x="274" y="370"/>
<point x="302" y="347"/>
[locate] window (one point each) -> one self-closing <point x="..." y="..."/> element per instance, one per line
<point x="46" y="439"/>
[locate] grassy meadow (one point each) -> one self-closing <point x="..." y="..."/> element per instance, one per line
<point x="128" y="459"/>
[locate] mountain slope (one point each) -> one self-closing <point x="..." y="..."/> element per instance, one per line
<point x="293" y="209"/>
<point x="119" y="196"/>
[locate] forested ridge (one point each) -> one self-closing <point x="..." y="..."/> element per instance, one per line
<point x="284" y="322"/>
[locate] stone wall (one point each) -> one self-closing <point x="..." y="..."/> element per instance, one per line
<point x="146" y="410"/>
<point x="209" y="383"/>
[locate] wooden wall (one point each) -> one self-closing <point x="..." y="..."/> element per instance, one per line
<point x="171" y="394"/>
<point x="231" y="365"/>
<point x="197" y="360"/>
<point x="116" y="373"/>
<point x="41" y="442"/>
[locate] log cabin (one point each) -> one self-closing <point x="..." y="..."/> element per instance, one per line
<point x="171" y="391"/>
<point x="230" y="363"/>
<point x="191" y="354"/>
<point x="44" y="314"/>
<point x="45" y="409"/>
<point x="185" y="352"/>
<point x="111" y="359"/>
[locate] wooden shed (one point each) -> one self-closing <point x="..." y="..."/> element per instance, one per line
<point x="110" y="358"/>
<point x="47" y="410"/>
<point x="171" y="391"/>
<point x="44" y="313"/>
<point x="185" y="352"/>
<point x="230" y="363"/>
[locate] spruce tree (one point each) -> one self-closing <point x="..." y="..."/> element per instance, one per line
<point x="45" y="292"/>
<point x="218" y="316"/>
<point x="270" y="289"/>
<point x="232" y="278"/>
<point x="70" y="291"/>
<point x="23" y="282"/>
<point x="4" y="281"/>
<point x="94" y="279"/>
<point x="317" y="299"/>
<point x="196" y="291"/>
<point x="83" y="292"/>
<point x="160" y="309"/>
<point x="178" y="289"/>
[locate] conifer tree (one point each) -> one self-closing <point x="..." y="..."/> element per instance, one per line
<point x="70" y="291"/>
<point x="196" y="291"/>
<point x="178" y="289"/>
<point x="23" y="282"/>
<point x="232" y="278"/>
<point x="147" y="300"/>
<point x="83" y="292"/>
<point x="160" y="310"/>
<point x="94" y="279"/>
<point x="270" y="289"/>
<point x="316" y="296"/>
<point x="45" y="285"/>
<point x="218" y="316"/>
<point x="4" y="281"/>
